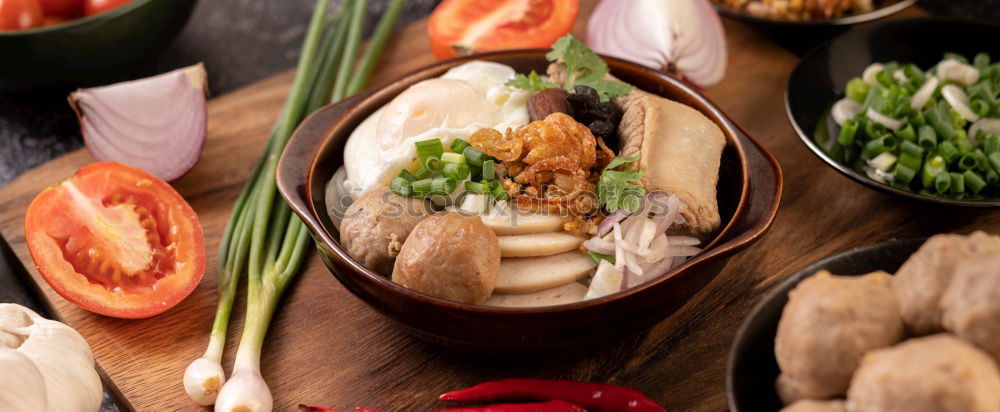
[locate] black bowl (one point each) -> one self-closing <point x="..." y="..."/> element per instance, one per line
<point x="821" y="77"/>
<point x="801" y="35"/>
<point x="91" y="50"/>
<point x="752" y="368"/>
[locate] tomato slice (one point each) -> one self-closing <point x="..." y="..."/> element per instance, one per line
<point x="20" y="14"/>
<point x="461" y="27"/>
<point x="116" y="241"/>
<point x="92" y="7"/>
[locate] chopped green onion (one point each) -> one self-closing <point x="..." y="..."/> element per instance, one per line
<point x="400" y="186"/>
<point x="967" y="161"/>
<point x="499" y="193"/>
<point x="942" y="182"/>
<point x="874" y="129"/>
<point x="883" y="162"/>
<point x="933" y="167"/>
<point x="973" y="182"/>
<point x="422" y="173"/>
<point x="457" y="171"/>
<point x="917" y="117"/>
<point x="884" y="78"/>
<point x="995" y="160"/>
<point x="964" y="145"/>
<point x="992" y="177"/>
<point x="474" y="157"/>
<point x="847" y="132"/>
<point x="405" y="174"/>
<point x="883" y="144"/>
<point x="489" y="170"/>
<point x="452" y="158"/>
<point x="428" y="148"/>
<point x="949" y="151"/>
<point x="981" y="61"/>
<point x="957" y="183"/>
<point x="433" y="163"/>
<point x="476" y="187"/>
<point x="991" y="144"/>
<point x="857" y="89"/>
<point x="957" y="121"/>
<point x="903" y="174"/>
<point x="598" y="257"/>
<point x="910" y="161"/>
<point x="913" y="149"/>
<point x="979" y="106"/>
<point x="422" y="187"/>
<point x="442" y="186"/>
<point x="907" y="133"/>
<point x="459" y="145"/>
<point x="936" y="117"/>
<point x="927" y="138"/>
<point x="982" y="162"/>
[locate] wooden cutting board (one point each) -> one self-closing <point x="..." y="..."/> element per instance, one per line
<point x="327" y="348"/>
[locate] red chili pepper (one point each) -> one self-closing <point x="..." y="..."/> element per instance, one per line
<point x="306" y="408"/>
<point x="550" y="406"/>
<point x="593" y="396"/>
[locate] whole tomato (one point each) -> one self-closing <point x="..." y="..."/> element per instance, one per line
<point x="61" y="7"/>
<point x="20" y="14"/>
<point x="92" y="7"/>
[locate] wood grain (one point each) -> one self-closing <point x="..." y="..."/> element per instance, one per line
<point x="327" y="348"/>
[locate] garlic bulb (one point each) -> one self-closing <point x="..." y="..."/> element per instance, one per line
<point x="60" y="356"/>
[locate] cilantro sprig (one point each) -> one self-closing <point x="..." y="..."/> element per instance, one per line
<point x="583" y="67"/>
<point x="618" y="189"/>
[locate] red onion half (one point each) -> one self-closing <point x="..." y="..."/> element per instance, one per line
<point x="682" y="36"/>
<point x="157" y="124"/>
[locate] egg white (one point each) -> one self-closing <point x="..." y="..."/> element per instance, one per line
<point x="467" y="98"/>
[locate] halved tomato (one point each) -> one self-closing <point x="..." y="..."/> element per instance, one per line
<point x="116" y="240"/>
<point x="462" y="27"/>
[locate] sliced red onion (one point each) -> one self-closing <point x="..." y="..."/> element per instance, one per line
<point x="959" y="101"/>
<point x="986" y="124"/>
<point x="157" y="124"/>
<point x="886" y="121"/>
<point x="923" y="95"/>
<point x="596" y="244"/>
<point x="609" y="222"/>
<point x="685" y="36"/>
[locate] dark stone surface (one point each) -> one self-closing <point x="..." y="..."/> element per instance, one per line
<point x="240" y="41"/>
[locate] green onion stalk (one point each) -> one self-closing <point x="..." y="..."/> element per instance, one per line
<point x="263" y="237"/>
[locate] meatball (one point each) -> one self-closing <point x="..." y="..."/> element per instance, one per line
<point x="377" y="224"/>
<point x="970" y="307"/>
<point x="450" y="256"/>
<point x="938" y="373"/>
<point x="809" y="405"/>
<point x="922" y="279"/>
<point x="826" y="327"/>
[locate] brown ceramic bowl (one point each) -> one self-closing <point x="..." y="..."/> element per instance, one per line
<point x="749" y="191"/>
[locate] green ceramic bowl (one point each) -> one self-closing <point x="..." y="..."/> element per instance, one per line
<point x="92" y="50"/>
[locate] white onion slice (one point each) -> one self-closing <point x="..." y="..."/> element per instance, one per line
<point x="956" y="71"/>
<point x="899" y="76"/>
<point x="682" y="35"/>
<point x="596" y="244"/>
<point x="886" y="121"/>
<point x="606" y="281"/>
<point x="870" y="75"/>
<point x="986" y="124"/>
<point x="157" y="124"/>
<point x="923" y="95"/>
<point x="844" y="109"/>
<point x="959" y="101"/>
<point x="609" y="221"/>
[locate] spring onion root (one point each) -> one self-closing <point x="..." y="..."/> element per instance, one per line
<point x="263" y="237"/>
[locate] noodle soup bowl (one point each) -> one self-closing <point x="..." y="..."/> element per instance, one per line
<point x="749" y="190"/>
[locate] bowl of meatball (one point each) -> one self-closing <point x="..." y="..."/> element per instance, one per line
<point x="468" y="209"/>
<point x="843" y="334"/>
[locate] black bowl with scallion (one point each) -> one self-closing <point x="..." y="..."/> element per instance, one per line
<point x="908" y="107"/>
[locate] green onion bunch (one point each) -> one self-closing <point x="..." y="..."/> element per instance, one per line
<point x="441" y="173"/>
<point x="263" y="237"/>
<point x="926" y="149"/>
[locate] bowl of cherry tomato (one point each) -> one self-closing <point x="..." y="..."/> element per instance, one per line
<point x="82" y="42"/>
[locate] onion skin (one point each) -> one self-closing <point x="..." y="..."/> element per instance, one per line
<point x="157" y="124"/>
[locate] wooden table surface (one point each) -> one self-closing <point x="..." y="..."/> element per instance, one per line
<point x="327" y="348"/>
